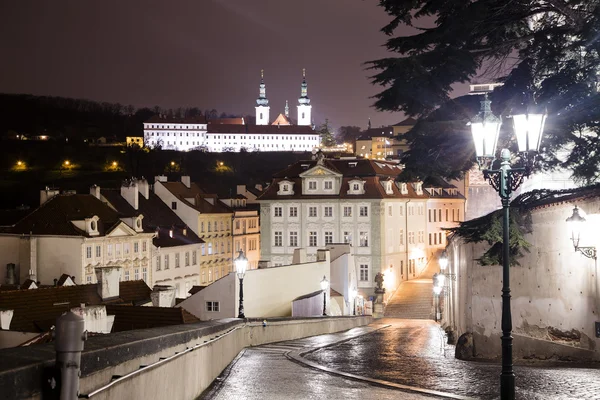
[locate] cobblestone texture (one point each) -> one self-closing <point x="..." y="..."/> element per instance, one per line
<point x="413" y="352"/>
<point x="266" y="373"/>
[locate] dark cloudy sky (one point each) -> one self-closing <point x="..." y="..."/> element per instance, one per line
<point x="204" y="53"/>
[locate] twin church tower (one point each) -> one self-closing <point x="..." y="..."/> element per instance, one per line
<point x="262" y="104"/>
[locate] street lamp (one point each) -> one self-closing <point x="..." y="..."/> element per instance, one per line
<point x="485" y="128"/>
<point x="443" y="261"/>
<point x="437" y="290"/>
<point x="241" y="263"/>
<point x="353" y="293"/>
<point x="576" y="223"/>
<point x="324" y="286"/>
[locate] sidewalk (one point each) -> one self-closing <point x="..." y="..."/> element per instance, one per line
<point x="279" y="371"/>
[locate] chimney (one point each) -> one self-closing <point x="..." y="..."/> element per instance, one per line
<point x="185" y="179"/>
<point x="46" y="194"/>
<point x="108" y="281"/>
<point x="5" y="318"/>
<point x="95" y="191"/>
<point x="10" y="274"/>
<point x="258" y="186"/>
<point x="144" y="188"/>
<point x="163" y="296"/>
<point x="129" y="191"/>
<point x="241" y="189"/>
<point x="160" y="178"/>
<point x="299" y="256"/>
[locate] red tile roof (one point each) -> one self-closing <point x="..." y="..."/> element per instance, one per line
<point x="54" y="216"/>
<point x="129" y="317"/>
<point x="374" y="173"/>
<point x="163" y="119"/>
<point x="36" y="310"/>
<point x="227" y="121"/>
<point x="157" y="217"/>
<point x="196" y="198"/>
<point x="262" y="129"/>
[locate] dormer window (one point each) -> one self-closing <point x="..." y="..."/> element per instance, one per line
<point x="357" y="186"/>
<point x="388" y="187"/>
<point x="404" y="188"/>
<point x="312" y="185"/>
<point x="328" y="185"/>
<point x="138" y="223"/>
<point x="419" y="188"/>
<point x="91" y="225"/>
<point x="286" y="188"/>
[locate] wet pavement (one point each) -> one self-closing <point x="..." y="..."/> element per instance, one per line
<point x="267" y="372"/>
<point x="414" y="353"/>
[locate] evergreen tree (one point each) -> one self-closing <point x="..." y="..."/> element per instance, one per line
<point x="326" y="134"/>
<point x="544" y="51"/>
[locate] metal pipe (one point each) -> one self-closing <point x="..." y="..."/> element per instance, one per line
<point x="70" y="336"/>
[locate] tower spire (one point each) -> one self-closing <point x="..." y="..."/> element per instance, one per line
<point x="287" y="109"/>
<point x="262" y="95"/>
<point x="304" y="107"/>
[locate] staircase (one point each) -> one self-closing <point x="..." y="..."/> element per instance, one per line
<point x="412" y="300"/>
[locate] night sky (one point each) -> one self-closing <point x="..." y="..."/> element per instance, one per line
<point x="203" y="53"/>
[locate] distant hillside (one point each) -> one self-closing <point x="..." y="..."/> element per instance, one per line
<point x="62" y="117"/>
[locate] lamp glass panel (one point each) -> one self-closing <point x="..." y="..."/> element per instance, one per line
<point x="528" y="129"/>
<point x="485" y="137"/>
<point x="241" y="263"/>
<point x="437" y="289"/>
<point x="443" y="261"/>
<point x="324" y="284"/>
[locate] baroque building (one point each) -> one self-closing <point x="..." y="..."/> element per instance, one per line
<point x="315" y="203"/>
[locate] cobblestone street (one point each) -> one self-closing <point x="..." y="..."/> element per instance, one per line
<point x="412" y="352"/>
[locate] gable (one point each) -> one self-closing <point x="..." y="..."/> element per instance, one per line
<point x="121" y="230"/>
<point x="319" y="171"/>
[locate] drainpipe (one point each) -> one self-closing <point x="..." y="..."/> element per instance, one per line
<point x="69" y="336"/>
<point x="406" y="235"/>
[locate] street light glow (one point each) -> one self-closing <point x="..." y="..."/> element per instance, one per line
<point x="67" y="163"/>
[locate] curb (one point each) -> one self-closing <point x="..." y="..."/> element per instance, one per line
<point x="297" y="356"/>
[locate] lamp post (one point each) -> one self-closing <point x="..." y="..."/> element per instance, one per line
<point x="436" y="291"/>
<point x="353" y="293"/>
<point x="576" y="223"/>
<point x="324" y="286"/>
<point x="485" y="128"/>
<point x="241" y="263"/>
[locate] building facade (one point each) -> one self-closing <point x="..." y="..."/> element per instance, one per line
<point x="232" y="134"/>
<point x="73" y="234"/>
<point x="315" y="203"/>
<point x="208" y="218"/>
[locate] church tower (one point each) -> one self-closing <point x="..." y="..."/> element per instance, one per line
<point x="262" y="103"/>
<point x="304" y="106"/>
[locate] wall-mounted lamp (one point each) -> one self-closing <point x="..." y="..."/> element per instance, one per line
<point x="576" y="223"/>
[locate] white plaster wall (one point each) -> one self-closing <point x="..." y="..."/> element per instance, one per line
<point x="9" y="253"/>
<point x="267" y="292"/>
<point x="216" y="142"/>
<point x="553" y="287"/>
<point x="262" y="111"/>
<point x="306" y="110"/>
<point x="59" y="255"/>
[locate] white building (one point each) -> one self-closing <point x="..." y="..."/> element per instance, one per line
<point x="316" y="203"/>
<point x="185" y="134"/>
<point x="73" y="234"/>
<point x="170" y="133"/>
<point x="175" y="259"/>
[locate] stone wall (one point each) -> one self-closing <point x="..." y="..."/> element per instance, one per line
<point x="177" y="362"/>
<point x="555" y="291"/>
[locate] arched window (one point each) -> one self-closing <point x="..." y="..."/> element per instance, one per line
<point x="261" y="117"/>
<point x="302" y="115"/>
